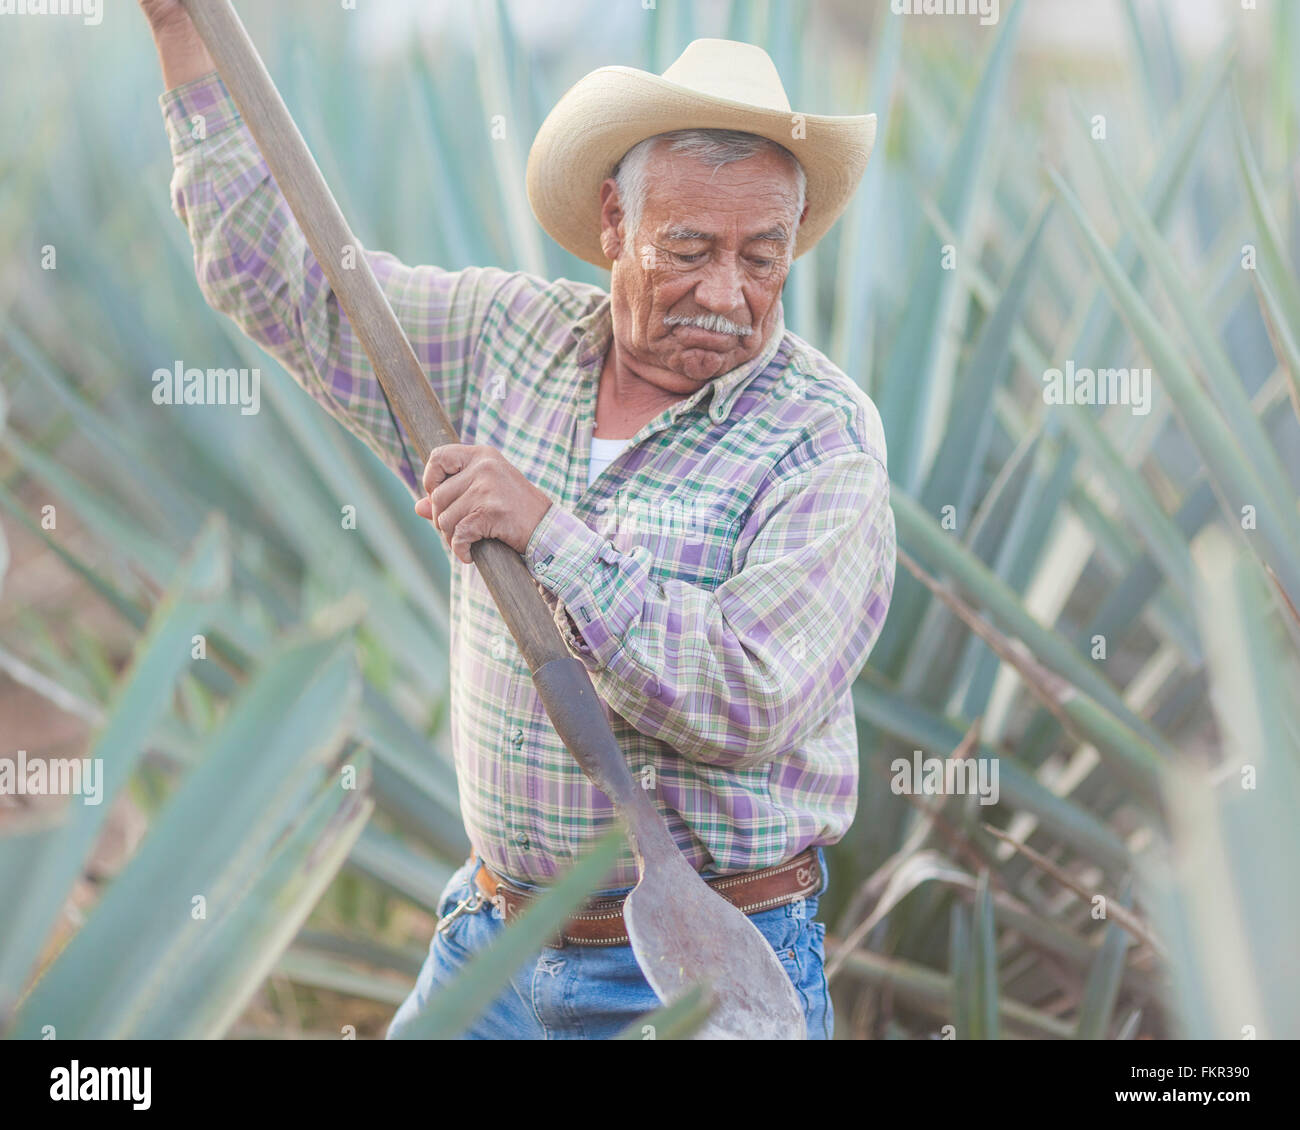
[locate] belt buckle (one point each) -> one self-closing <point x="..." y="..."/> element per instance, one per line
<point x="501" y="901"/>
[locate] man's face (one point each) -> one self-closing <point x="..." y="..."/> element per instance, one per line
<point x="711" y="242"/>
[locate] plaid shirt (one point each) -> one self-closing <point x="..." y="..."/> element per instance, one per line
<point x="723" y="580"/>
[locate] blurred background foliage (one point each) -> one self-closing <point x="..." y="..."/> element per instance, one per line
<point x="1096" y="598"/>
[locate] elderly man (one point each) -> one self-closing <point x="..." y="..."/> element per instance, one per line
<point x="700" y="494"/>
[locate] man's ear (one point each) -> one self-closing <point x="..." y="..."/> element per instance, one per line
<point x="611" y="220"/>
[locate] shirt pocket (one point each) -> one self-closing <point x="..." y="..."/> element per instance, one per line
<point x="681" y="537"/>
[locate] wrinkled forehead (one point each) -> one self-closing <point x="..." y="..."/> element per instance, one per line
<point x="767" y="170"/>
<point x="681" y="189"/>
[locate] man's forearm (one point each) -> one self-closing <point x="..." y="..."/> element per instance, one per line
<point x="734" y="676"/>
<point x="180" y="50"/>
<point x="253" y="264"/>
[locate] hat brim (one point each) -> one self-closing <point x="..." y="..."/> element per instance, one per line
<point x="610" y="110"/>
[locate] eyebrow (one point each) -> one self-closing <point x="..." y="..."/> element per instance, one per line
<point x="684" y="233"/>
<point x="778" y="234"/>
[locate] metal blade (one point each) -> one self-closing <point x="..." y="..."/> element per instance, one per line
<point x="664" y="916"/>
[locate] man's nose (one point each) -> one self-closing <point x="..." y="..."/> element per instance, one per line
<point x="720" y="290"/>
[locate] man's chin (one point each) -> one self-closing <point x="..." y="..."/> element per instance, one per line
<point x="701" y="365"/>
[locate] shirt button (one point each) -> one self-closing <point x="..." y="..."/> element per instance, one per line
<point x="517" y="736"/>
<point x="521" y="839"/>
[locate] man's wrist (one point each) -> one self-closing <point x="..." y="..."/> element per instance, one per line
<point x="533" y="538"/>
<point x="181" y="52"/>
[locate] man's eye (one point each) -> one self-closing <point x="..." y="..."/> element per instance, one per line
<point x="761" y="263"/>
<point x="695" y="257"/>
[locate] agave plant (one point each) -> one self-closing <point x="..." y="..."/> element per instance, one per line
<point x="1097" y="602"/>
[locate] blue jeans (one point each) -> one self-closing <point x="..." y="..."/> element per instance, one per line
<point x="594" y="992"/>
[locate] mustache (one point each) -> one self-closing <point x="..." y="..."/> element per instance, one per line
<point x="715" y="322"/>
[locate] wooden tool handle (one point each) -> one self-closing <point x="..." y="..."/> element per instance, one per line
<point x="584" y="730"/>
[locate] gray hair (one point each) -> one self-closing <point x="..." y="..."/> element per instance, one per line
<point x="714" y="147"/>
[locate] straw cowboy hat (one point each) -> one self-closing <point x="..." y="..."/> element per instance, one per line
<point x="715" y="84"/>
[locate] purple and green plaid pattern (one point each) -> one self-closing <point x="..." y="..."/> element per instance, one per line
<point x="724" y="579"/>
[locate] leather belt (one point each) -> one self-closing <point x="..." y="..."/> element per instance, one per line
<point x="600" y="921"/>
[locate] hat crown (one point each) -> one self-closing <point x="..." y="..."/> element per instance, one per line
<point x="724" y="68"/>
<point x="714" y="84"/>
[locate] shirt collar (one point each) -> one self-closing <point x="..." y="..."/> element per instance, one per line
<point x="595" y="330"/>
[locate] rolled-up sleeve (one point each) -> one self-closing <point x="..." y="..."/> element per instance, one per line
<point x="253" y="264"/>
<point x="738" y="675"/>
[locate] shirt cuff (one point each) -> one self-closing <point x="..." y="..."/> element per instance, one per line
<point x="196" y="111"/>
<point x="564" y="555"/>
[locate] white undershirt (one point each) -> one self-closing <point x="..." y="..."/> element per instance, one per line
<point x="603" y="453"/>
